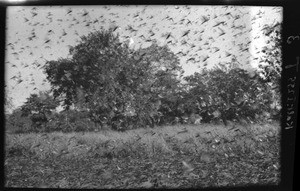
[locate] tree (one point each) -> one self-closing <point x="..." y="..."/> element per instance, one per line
<point x="271" y="60"/>
<point x="92" y="70"/>
<point x="271" y="66"/>
<point x="37" y="107"/>
<point x="227" y="94"/>
<point x="159" y="79"/>
<point x="106" y="77"/>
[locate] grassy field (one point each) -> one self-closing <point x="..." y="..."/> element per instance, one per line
<point x="164" y="157"/>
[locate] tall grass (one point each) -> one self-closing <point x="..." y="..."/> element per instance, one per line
<point x="167" y="140"/>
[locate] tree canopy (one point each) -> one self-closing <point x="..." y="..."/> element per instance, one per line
<point x="106" y="76"/>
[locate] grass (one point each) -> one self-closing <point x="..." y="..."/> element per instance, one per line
<point x="171" y="156"/>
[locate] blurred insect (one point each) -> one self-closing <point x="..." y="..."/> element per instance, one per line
<point x="204" y="19"/>
<point x="47" y="41"/>
<point x="185" y="33"/>
<point x="69" y="11"/>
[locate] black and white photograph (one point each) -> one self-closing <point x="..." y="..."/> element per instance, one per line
<point x="142" y="96"/>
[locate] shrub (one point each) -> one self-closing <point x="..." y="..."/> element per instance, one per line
<point x="16" y="123"/>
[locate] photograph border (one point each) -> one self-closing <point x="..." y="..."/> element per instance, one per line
<point x="290" y="72"/>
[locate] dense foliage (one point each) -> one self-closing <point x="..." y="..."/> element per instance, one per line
<point x="17" y="123"/>
<point x="228" y="95"/>
<point x="106" y="83"/>
<point x="39" y="108"/>
<point x="107" y="78"/>
<point x="271" y="61"/>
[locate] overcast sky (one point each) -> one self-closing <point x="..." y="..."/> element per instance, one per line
<point x="201" y="36"/>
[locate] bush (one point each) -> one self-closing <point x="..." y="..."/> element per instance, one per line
<point x="70" y="121"/>
<point x="16" y="123"/>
